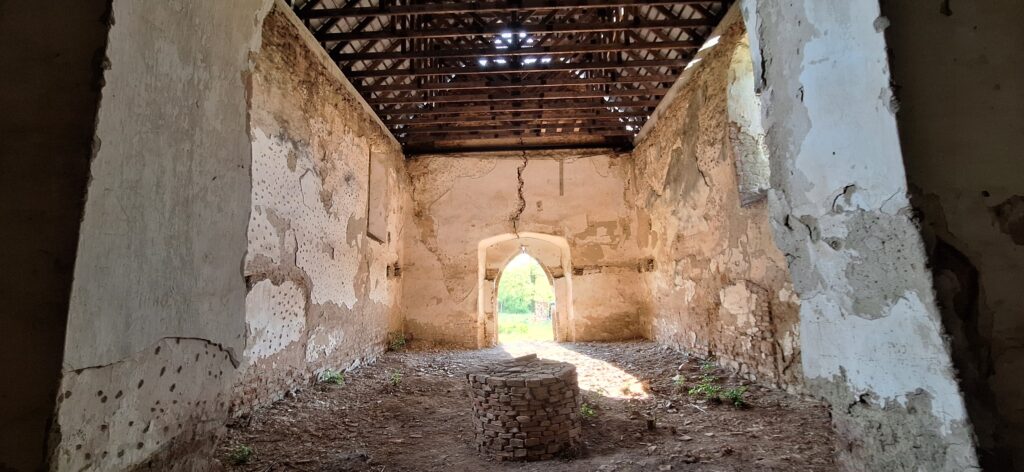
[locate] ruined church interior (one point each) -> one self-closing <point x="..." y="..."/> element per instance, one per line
<point x="539" y="235"/>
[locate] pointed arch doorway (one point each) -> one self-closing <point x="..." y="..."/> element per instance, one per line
<point x="526" y="300"/>
<point x="551" y="253"/>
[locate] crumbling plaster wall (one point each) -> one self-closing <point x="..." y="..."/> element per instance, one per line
<point x="720" y="286"/>
<point x="50" y="62"/>
<point x="462" y="199"/>
<point x="157" y="308"/>
<point x="871" y="335"/>
<point x="322" y="294"/>
<point x="959" y="75"/>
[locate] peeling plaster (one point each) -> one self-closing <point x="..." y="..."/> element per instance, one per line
<point x="320" y="292"/>
<point x="720" y="286"/>
<point x="156" y="318"/>
<point x="868" y="319"/>
<point x="462" y="200"/>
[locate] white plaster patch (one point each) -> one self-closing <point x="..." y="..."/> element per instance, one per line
<point x="298" y="196"/>
<point x="116" y="416"/>
<point x="880" y="355"/>
<point x="787" y="295"/>
<point x="323" y="343"/>
<point x="832" y="72"/>
<point x="739" y="301"/>
<point x="263" y="237"/>
<point x="275" y="318"/>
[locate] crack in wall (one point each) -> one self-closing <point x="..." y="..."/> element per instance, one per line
<point x="522" y="199"/>
<point x="232" y="356"/>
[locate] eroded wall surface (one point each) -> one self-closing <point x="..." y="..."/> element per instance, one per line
<point x="322" y="294"/>
<point x="157" y="309"/>
<point x="462" y="199"/>
<point x="871" y="334"/>
<point x="960" y="85"/>
<point x="720" y="286"/>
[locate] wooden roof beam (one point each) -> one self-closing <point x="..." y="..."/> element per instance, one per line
<point x="499" y="29"/>
<point x="510" y="134"/>
<point x="538" y="106"/>
<point x="511" y="69"/>
<point x="529" y="51"/>
<point x="534" y="116"/>
<point x="509" y="84"/>
<point x="560" y="95"/>
<point x="528" y="126"/>
<point x="485" y="7"/>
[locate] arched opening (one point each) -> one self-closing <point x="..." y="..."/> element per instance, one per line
<point x="526" y="301"/>
<point x="746" y="129"/>
<point x="551" y="254"/>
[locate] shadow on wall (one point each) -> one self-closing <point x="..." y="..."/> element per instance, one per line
<point x="964" y="168"/>
<point x="553" y="255"/>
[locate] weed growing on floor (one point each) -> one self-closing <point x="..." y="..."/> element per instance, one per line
<point x="735" y="396"/>
<point x="679" y="381"/>
<point x="395" y="379"/>
<point x="708" y="365"/>
<point x="396" y="341"/>
<point x="332" y="377"/>
<point x="241" y="454"/>
<point x="706" y="388"/>
<point x="587" y="411"/>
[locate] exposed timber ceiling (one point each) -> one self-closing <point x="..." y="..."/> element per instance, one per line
<point x="520" y="74"/>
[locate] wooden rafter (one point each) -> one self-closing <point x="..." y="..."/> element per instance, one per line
<point x="511" y="69"/>
<point x="481" y="7"/>
<point x="519" y="84"/>
<point x="489" y="52"/>
<point x="511" y="117"/>
<point x="495" y="97"/>
<point x="500" y="29"/>
<point x="517" y="106"/>
<point x="461" y="75"/>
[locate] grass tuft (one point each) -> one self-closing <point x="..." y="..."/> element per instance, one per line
<point x="332" y="377"/>
<point x="241" y="454"/>
<point x="735" y="396"/>
<point x="396" y="341"/>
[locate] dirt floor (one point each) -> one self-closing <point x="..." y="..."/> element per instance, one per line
<point x="410" y="411"/>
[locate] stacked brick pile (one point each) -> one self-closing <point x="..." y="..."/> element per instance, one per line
<point x="526" y="408"/>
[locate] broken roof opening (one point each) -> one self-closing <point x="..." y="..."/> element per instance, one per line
<point x="522" y="74"/>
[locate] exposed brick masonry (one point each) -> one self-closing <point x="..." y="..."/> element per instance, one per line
<point x="525" y="408"/>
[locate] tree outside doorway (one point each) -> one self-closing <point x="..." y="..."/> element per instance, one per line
<point x="526" y="301"/>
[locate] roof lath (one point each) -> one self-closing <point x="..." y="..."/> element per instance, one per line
<point x="520" y="74"/>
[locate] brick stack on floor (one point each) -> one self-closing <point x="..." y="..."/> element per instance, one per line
<point x="526" y="409"/>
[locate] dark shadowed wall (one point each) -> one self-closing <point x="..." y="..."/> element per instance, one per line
<point x="959" y="75"/>
<point x="50" y="63"/>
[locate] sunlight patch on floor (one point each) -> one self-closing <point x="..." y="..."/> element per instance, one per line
<point x="594" y="375"/>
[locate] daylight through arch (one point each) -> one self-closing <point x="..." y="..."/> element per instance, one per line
<point x="526" y="301"/>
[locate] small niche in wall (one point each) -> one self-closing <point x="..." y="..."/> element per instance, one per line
<point x="377" y="200"/>
<point x="394" y="270"/>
